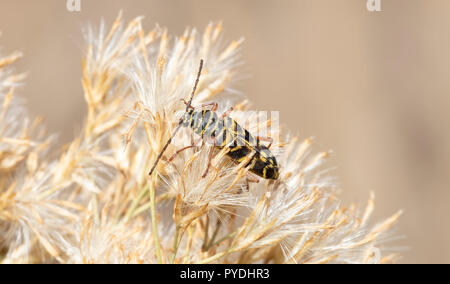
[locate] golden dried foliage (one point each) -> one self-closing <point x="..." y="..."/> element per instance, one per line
<point x="95" y="202"/>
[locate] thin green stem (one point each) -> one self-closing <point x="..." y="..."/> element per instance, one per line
<point x="205" y="239"/>
<point x="134" y="204"/>
<point x="147" y="205"/>
<point x="154" y="224"/>
<point x="213" y="238"/>
<point x="215" y="257"/>
<point x="230" y="235"/>
<point x="175" y="243"/>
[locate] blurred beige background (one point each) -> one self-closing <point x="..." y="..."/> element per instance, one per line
<point x="372" y="86"/>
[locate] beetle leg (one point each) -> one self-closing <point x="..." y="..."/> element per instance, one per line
<point x="213" y="104"/>
<point x="266" y="139"/>
<point x="194" y="144"/>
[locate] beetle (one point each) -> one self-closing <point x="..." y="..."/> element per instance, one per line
<point x="225" y="132"/>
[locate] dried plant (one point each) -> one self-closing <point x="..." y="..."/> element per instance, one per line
<point x="95" y="203"/>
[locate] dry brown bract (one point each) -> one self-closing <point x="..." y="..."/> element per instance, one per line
<point x="96" y="203"/>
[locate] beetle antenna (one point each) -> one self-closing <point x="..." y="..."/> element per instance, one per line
<point x="181" y="119"/>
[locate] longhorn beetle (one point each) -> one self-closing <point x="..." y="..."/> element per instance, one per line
<point x="225" y="132"/>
